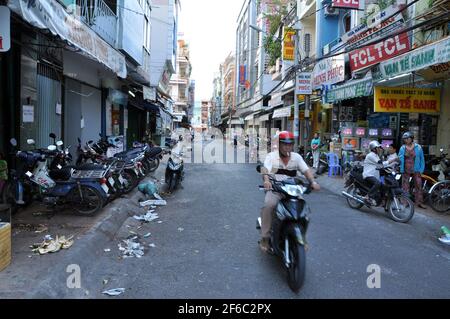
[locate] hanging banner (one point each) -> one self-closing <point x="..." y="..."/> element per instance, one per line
<point x="346" y="4"/>
<point x="51" y="15"/>
<point x="289" y="44"/>
<point x="304" y="83"/>
<point x="406" y="100"/>
<point x="378" y="52"/>
<point x="329" y="71"/>
<point x="5" y="29"/>
<point x="350" y="90"/>
<point x="242" y="74"/>
<point x="423" y="57"/>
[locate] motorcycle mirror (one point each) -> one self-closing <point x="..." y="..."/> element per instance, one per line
<point x="31" y="142"/>
<point x="60" y="143"/>
<point x="52" y="135"/>
<point x="258" y="168"/>
<point x="13" y="142"/>
<point x="51" y="148"/>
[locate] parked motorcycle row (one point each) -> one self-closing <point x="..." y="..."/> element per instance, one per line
<point x="49" y="176"/>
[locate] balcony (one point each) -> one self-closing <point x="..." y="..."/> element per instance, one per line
<point x="99" y="17"/>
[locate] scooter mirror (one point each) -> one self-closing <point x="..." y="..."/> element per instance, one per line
<point x="59" y="143"/>
<point x="52" y="135"/>
<point x="13" y="142"/>
<point x="31" y="142"/>
<point x="51" y="148"/>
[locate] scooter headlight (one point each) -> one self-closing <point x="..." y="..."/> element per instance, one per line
<point x="293" y="190"/>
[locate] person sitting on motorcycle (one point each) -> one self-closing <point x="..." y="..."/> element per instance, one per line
<point x="284" y="163"/>
<point x="371" y="173"/>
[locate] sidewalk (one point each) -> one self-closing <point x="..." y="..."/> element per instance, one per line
<point x="335" y="184"/>
<point x="29" y="273"/>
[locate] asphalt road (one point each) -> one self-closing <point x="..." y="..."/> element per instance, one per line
<point x="206" y="247"/>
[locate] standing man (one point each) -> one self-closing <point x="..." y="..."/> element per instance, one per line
<point x="315" y="145"/>
<point x="412" y="163"/>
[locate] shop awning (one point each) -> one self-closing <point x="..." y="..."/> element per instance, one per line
<point x="282" y="112"/>
<point x="263" y="118"/>
<point x="236" y="122"/>
<point x="249" y="117"/>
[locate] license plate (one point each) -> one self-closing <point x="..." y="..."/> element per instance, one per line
<point x="121" y="180"/>
<point x="105" y="188"/>
<point x="111" y="181"/>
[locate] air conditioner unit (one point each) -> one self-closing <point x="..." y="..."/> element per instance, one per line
<point x="331" y="11"/>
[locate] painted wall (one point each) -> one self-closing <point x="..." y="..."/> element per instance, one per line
<point x="131" y="29"/>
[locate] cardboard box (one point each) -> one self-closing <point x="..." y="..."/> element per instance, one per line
<point x="5" y="245"/>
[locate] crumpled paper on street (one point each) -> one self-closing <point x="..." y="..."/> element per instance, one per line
<point x="114" y="292"/>
<point x="132" y="248"/>
<point x="148" y="217"/>
<point x="154" y="203"/>
<point x="50" y="245"/>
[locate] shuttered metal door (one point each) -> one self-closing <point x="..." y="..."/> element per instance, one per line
<point x="49" y="95"/>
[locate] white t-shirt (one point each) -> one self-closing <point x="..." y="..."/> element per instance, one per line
<point x="273" y="163"/>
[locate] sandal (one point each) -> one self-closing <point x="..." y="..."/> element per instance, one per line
<point x="265" y="247"/>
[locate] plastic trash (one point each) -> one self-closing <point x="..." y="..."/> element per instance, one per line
<point x="445" y="230"/>
<point x="147" y="235"/>
<point x="50" y="245"/>
<point x="154" y="202"/>
<point x="114" y="292"/>
<point x="149" y="189"/>
<point x="445" y="239"/>
<point x="147" y="217"/>
<point x="132" y="248"/>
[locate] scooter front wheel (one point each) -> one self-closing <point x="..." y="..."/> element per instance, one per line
<point x="297" y="268"/>
<point x="401" y="209"/>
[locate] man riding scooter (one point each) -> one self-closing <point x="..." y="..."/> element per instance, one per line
<point x="284" y="163"/>
<point x="371" y="174"/>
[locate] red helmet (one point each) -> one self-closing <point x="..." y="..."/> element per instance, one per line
<point x="286" y="137"/>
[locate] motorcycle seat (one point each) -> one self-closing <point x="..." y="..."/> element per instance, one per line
<point x="63" y="174"/>
<point x="154" y="151"/>
<point x="432" y="174"/>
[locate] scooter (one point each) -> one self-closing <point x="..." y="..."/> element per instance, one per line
<point x="289" y="227"/>
<point x="174" y="174"/>
<point x="86" y="194"/>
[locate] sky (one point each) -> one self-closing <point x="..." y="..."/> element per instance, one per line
<point x="210" y="28"/>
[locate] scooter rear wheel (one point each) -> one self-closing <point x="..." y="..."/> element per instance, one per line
<point x="352" y="203"/>
<point x="88" y="204"/>
<point x="154" y="164"/>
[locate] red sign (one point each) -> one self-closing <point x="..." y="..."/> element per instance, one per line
<point x="242" y="75"/>
<point x="347" y="4"/>
<point x="378" y="52"/>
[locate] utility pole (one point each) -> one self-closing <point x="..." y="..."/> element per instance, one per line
<point x="296" y="106"/>
<point x="307" y="47"/>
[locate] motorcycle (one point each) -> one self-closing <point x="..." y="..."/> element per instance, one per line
<point x="289" y="227"/>
<point x="86" y="194"/>
<point x="390" y="196"/>
<point x="174" y="174"/>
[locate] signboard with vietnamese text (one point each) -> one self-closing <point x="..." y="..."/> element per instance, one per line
<point x="5" y="29"/>
<point x="378" y="52"/>
<point x="304" y="85"/>
<point x="329" y="71"/>
<point x="289" y="44"/>
<point x="346" y="4"/>
<point x="423" y="57"/>
<point x="242" y="74"/>
<point x="406" y="100"/>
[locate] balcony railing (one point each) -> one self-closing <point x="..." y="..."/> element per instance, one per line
<point x="100" y="18"/>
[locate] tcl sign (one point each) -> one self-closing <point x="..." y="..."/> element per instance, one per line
<point x="5" y="29"/>
<point x="378" y="52"/>
<point x="348" y="4"/>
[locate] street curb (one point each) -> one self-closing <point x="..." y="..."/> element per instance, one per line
<point x="86" y="250"/>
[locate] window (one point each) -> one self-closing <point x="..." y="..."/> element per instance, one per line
<point x="147" y="33"/>
<point x="347" y="22"/>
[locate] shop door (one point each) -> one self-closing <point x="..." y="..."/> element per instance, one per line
<point x="49" y="105"/>
<point x="136" y="125"/>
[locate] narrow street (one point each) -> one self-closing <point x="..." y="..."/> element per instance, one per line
<point x="206" y="247"/>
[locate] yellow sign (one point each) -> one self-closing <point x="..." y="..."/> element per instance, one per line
<point x="407" y="100"/>
<point x="289" y="44"/>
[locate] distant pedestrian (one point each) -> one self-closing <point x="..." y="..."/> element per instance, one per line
<point x="412" y="164"/>
<point x="315" y="146"/>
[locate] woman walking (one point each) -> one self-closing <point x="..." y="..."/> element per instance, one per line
<point x="412" y="164"/>
<point x="315" y="145"/>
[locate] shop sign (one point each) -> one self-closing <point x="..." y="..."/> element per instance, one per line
<point x="242" y="74"/>
<point x="426" y="56"/>
<point x="51" y="15"/>
<point x="346" y="4"/>
<point x="378" y="52"/>
<point x="5" y="29"/>
<point x="304" y="84"/>
<point x="289" y="44"/>
<point x="351" y="90"/>
<point x="407" y="100"/>
<point x="329" y="71"/>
